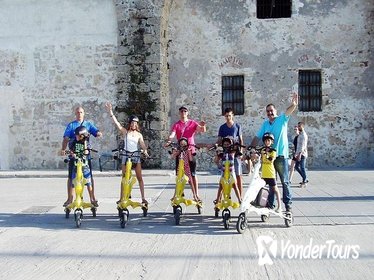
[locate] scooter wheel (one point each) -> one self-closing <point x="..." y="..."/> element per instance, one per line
<point x="145" y="211"/>
<point x="289" y="219"/>
<point x="177" y="215"/>
<point x="123" y="220"/>
<point x="216" y="212"/>
<point x="199" y="209"/>
<point x="226" y="220"/>
<point x="93" y="210"/>
<point x="67" y="213"/>
<point x="241" y="224"/>
<point x="265" y="218"/>
<point x="78" y="215"/>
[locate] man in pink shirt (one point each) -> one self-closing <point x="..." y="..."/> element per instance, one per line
<point x="186" y="128"/>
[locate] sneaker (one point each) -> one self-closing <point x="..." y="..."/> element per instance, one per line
<point x="288" y="208"/>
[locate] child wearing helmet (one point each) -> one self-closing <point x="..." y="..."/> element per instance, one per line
<point x="187" y="155"/>
<point x="227" y="152"/>
<point x="79" y="149"/>
<point x="132" y="140"/>
<point x="268" y="174"/>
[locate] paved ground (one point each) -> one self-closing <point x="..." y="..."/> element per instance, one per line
<point x="331" y="238"/>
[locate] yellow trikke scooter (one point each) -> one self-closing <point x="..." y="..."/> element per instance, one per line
<point x="127" y="182"/>
<point x="181" y="180"/>
<point x="227" y="182"/>
<point x="79" y="182"/>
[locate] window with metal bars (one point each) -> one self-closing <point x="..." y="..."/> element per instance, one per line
<point x="233" y="94"/>
<point x="310" y="90"/>
<point x="274" y="8"/>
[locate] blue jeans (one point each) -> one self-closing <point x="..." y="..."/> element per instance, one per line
<point x="281" y="167"/>
<point x="300" y="167"/>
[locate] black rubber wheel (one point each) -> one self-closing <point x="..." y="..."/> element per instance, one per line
<point x="216" y="212"/>
<point x="78" y="215"/>
<point x="145" y="211"/>
<point x="289" y="222"/>
<point x="265" y="218"/>
<point x="198" y="209"/>
<point x="226" y="220"/>
<point x="123" y="220"/>
<point x="177" y="215"/>
<point x="93" y="210"/>
<point x="241" y="224"/>
<point x="67" y="213"/>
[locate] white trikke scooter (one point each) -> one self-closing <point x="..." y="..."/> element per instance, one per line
<point x="255" y="200"/>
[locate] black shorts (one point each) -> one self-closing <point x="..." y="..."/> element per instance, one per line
<point x="270" y="181"/>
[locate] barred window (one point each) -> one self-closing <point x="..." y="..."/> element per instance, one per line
<point x="274" y="8"/>
<point x="233" y="94"/>
<point x="310" y="90"/>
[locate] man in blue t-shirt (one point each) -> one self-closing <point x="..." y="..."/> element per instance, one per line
<point x="277" y="125"/>
<point x="69" y="136"/>
<point x="233" y="130"/>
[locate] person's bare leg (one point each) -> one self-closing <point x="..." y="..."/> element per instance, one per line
<point x="93" y="189"/>
<point x="196" y="187"/>
<point x="219" y="194"/>
<point x="70" y="192"/>
<point x="123" y="175"/>
<point x="237" y="192"/>
<point x="277" y="194"/>
<point x="240" y="186"/>
<point x="138" y="172"/>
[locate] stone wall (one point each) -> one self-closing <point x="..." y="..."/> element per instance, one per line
<point x="148" y="57"/>
<point x="54" y="55"/>
<point x="142" y="83"/>
<point x="208" y="40"/>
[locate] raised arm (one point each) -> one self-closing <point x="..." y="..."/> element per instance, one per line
<point x="109" y="108"/>
<point x="294" y="103"/>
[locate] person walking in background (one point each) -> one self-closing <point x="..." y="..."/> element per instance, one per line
<point x="301" y="154"/>
<point x="293" y="161"/>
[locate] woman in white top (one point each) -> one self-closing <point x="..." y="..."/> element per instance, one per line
<point x="132" y="140"/>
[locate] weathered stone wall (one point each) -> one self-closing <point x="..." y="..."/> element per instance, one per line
<point x="142" y="72"/>
<point x="149" y="57"/>
<point x="210" y="39"/>
<point x="54" y="55"/>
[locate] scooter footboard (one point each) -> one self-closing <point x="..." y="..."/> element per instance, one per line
<point x="251" y="194"/>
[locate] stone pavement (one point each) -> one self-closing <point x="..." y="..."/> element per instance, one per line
<point x="334" y="218"/>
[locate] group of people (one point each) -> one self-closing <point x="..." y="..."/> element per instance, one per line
<point x="274" y="156"/>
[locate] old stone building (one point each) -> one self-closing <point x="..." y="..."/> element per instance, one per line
<point x="148" y="57"/>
